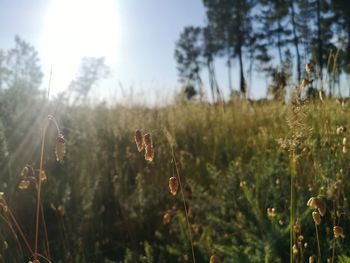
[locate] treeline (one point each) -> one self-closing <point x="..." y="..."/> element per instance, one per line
<point x="273" y="37"/>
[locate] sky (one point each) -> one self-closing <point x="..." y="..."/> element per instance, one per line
<point x="137" y="38"/>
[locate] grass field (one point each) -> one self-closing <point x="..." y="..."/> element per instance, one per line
<point x="247" y="171"/>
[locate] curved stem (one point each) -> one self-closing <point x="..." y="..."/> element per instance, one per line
<point x="184" y="203"/>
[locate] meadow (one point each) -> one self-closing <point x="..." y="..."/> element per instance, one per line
<point x="247" y="170"/>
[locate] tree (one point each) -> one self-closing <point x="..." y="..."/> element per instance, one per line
<point x="187" y="55"/>
<point x="231" y="23"/>
<point x="22" y="67"/>
<point x="91" y="71"/>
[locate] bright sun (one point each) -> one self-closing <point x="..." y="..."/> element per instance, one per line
<point x="74" y="29"/>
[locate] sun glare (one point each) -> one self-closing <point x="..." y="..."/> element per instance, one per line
<point x="74" y="29"/>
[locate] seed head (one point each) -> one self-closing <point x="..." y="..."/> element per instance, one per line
<point x="316" y="203"/>
<point x="23" y="184"/>
<point x="316" y="217"/>
<point x="297" y="227"/>
<point x="215" y="259"/>
<point x="139" y="140"/>
<point x="149" y="152"/>
<point x="173" y="185"/>
<point x="166" y="218"/>
<point x="338" y="232"/>
<point x="271" y="212"/>
<point x="311" y="259"/>
<point x="147" y="139"/>
<point x="341" y="130"/>
<point x="60" y="148"/>
<point x="309" y="68"/>
<point x="295" y="249"/>
<point x="43" y="176"/>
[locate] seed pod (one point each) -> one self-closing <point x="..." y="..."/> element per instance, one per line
<point x="297" y="227"/>
<point x="149" y="153"/>
<point x="23" y="184"/>
<point x="173" y="185"/>
<point x="166" y="218"/>
<point x="309" y="68"/>
<point x="43" y="176"/>
<point x="316" y="217"/>
<point x="147" y="139"/>
<point x="139" y="140"/>
<point x="338" y="232"/>
<point x="60" y="148"/>
<point x="322" y="208"/>
<point x="316" y="203"/>
<point x="215" y="259"/>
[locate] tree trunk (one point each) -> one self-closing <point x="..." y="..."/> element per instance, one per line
<point x="242" y="80"/>
<point x="229" y="74"/>
<point x="319" y="38"/>
<point x="295" y="40"/>
<point x="279" y="41"/>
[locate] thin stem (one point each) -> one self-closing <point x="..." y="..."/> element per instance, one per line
<point x="38" y="200"/>
<point x="291" y="241"/>
<point x="318" y="246"/>
<point x="45" y="231"/>
<point x="184" y="203"/>
<point x="19" y="230"/>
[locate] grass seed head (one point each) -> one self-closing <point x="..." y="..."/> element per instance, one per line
<point x="147" y="139"/>
<point x="23" y="184"/>
<point x="139" y="140"/>
<point x="25" y="171"/>
<point x="149" y="153"/>
<point x="215" y="259"/>
<point x="338" y="232"/>
<point x="60" y="148"/>
<point x="316" y="217"/>
<point x="173" y="185"/>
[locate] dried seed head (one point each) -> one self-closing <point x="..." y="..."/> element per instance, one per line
<point x="341" y="130"/>
<point x="23" y="184"/>
<point x="271" y="212"/>
<point x="305" y="83"/>
<point x="297" y="227"/>
<point x="166" y="218"/>
<point x="215" y="259"/>
<point x="139" y="140"/>
<point x="43" y="176"/>
<point x="316" y="203"/>
<point x="338" y="232"/>
<point x="311" y="259"/>
<point x="316" y="217"/>
<point x="344" y="150"/>
<point x="295" y="249"/>
<point x="309" y="68"/>
<point x="149" y="153"/>
<point x="25" y="171"/>
<point x="173" y="185"/>
<point x="147" y="139"/>
<point x="344" y="141"/>
<point x="60" y="148"/>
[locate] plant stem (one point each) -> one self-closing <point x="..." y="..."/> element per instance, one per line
<point x="318" y="246"/>
<point x="184" y="203"/>
<point x="38" y="200"/>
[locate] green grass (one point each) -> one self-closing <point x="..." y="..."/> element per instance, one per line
<point x="234" y="160"/>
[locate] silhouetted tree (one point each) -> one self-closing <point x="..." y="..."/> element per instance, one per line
<point x="188" y="57"/>
<point x="91" y="71"/>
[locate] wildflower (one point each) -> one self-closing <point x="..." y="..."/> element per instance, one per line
<point x="139" y="140"/>
<point x="338" y="232"/>
<point x="316" y="217"/>
<point x="60" y="148"/>
<point x="173" y="185"/>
